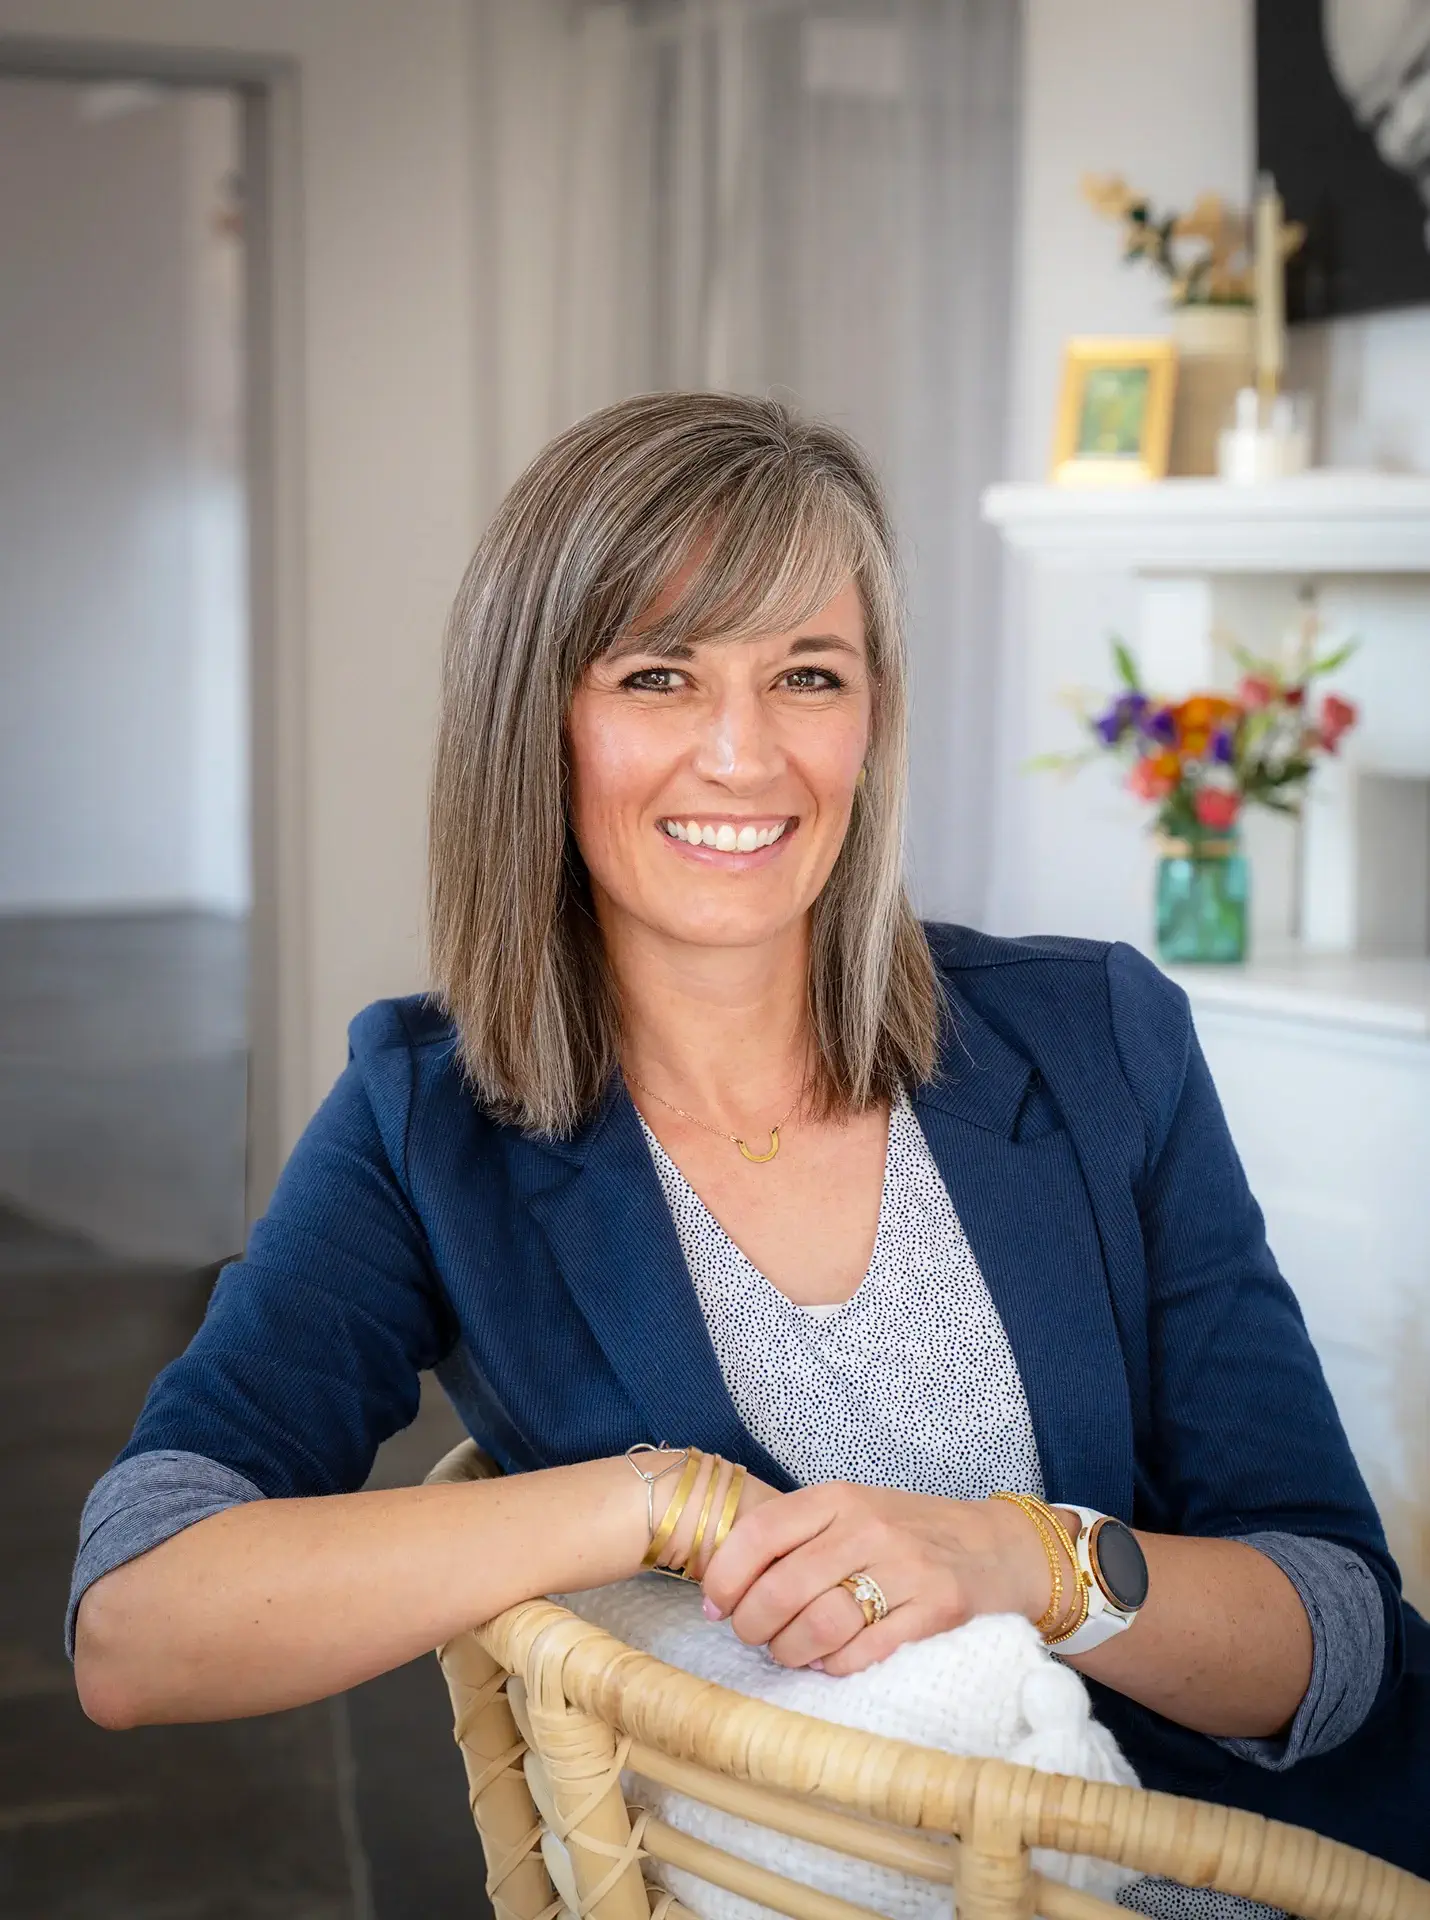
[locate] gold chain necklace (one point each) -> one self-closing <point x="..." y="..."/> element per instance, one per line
<point x="759" y="1159"/>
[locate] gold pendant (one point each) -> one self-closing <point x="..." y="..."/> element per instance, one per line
<point x="761" y="1158"/>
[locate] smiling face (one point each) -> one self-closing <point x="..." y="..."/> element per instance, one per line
<point x="711" y="785"/>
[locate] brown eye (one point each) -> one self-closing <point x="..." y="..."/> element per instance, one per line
<point x="652" y="680"/>
<point x="812" y="680"/>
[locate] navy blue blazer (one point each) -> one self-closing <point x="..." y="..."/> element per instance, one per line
<point x="1075" y="1125"/>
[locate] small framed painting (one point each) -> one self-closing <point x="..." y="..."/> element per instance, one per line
<point x="1115" y="415"/>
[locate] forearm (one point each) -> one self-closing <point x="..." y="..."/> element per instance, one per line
<point x="278" y="1602"/>
<point x="1223" y="1644"/>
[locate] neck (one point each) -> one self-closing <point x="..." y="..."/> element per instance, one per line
<point x="722" y="1031"/>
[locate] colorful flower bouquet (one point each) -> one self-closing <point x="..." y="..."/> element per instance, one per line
<point x="1199" y="762"/>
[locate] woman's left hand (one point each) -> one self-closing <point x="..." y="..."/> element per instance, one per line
<point x="939" y="1562"/>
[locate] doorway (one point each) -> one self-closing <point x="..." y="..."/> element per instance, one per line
<point x="125" y="888"/>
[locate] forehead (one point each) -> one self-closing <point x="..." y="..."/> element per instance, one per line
<point x="838" y="625"/>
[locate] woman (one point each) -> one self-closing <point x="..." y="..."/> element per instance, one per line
<point x="704" y="1139"/>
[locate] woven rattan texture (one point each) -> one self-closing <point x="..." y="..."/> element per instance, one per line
<point x="587" y="1696"/>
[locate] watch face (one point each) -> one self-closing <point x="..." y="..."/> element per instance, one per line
<point x="1119" y="1563"/>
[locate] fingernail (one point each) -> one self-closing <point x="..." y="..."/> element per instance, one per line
<point x="710" y="1610"/>
<point x="816" y="1666"/>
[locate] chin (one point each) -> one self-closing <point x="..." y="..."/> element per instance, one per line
<point x="726" y="925"/>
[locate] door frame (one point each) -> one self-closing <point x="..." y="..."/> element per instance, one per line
<point x="267" y="87"/>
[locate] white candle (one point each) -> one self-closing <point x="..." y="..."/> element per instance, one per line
<point x="1270" y="288"/>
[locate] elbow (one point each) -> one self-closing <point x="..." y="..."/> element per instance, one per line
<point x="106" y="1679"/>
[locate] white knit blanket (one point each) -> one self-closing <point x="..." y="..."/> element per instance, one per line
<point x="988" y="1688"/>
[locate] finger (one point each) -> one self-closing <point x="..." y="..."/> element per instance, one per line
<point x="760" y="1538"/>
<point x="781" y="1593"/>
<point x="866" y="1649"/>
<point x="828" y="1623"/>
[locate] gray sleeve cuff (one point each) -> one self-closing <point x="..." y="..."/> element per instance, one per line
<point x="1342" y="1601"/>
<point x="141" y="1503"/>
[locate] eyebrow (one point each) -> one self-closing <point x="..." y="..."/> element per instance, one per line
<point x="807" y="643"/>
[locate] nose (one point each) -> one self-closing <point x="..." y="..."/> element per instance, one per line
<point x="738" y="745"/>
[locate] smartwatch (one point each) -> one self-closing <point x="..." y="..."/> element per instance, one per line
<point x="1112" y="1569"/>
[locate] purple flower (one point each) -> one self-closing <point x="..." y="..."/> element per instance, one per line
<point x="1160" y="725"/>
<point x="1222" y="746"/>
<point x="1122" y="714"/>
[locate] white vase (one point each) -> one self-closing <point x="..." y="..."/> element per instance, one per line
<point x="1216" y="357"/>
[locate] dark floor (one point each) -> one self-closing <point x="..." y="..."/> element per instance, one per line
<point x="351" y="1810"/>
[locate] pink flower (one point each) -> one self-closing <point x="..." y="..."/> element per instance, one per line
<point x="1217" y="808"/>
<point x="1337" y="717"/>
<point x="1255" y="691"/>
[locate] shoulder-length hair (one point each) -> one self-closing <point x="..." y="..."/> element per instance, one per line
<point x="773" y="514"/>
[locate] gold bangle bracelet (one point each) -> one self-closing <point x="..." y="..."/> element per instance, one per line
<point x="730" y="1509"/>
<point x="706" y="1506"/>
<point x="1025" y="1504"/>
<point x="671" y="1517"/>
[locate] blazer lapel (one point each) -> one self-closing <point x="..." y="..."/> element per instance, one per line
<point x="611" y="1233"/>
<point x="1029" y="1220"/>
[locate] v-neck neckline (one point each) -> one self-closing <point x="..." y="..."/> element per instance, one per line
<point x="804" y="1317"/>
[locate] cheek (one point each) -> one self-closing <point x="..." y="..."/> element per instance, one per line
<point x="832" y="761"/>
<point x="612" y="765"/>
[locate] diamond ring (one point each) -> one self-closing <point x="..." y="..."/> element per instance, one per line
<point x="873" y="1602"/>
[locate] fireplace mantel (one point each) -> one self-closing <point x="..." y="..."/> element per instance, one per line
<point x="1320" y="523"/>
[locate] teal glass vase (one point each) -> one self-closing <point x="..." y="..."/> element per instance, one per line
<point x="1203" y="891"/>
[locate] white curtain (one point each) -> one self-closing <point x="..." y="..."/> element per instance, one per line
<point x="810" y="197"/>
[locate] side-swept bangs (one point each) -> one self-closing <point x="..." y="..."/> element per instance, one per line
<point x="761" y="517"/>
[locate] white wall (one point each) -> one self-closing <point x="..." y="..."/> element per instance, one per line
<point x="1160" y="93"/>
<point x="112" y="643"/>
<point x="1163" y="95"/>
<point x="373" y="463"/>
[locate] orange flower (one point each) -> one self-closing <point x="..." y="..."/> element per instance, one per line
<point x="1199" y="717"/>
<point x="1154" y="775"/>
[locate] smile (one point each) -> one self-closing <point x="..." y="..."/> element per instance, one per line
<point x="724" y="836"/>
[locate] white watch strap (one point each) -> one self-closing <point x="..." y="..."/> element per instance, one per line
<point x="1104" y="1620"/>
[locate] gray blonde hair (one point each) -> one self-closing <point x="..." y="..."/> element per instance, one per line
<point x="776" y="514"/>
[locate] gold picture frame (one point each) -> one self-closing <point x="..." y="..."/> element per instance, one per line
<point x="1114" y="423"/>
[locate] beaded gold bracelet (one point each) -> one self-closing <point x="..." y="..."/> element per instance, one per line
<point x="1053" y="1611"/>
<point x="1055" y="1627"/>
<point x="1083" y="1599"/>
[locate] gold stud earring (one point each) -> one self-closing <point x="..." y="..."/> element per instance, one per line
<point x="863" y="776"/>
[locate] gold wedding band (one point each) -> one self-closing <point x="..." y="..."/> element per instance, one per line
<point x="873" y="1601"/>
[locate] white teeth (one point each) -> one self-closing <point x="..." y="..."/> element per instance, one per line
<point x="725" y="838"/>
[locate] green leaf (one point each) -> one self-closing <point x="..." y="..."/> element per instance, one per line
<point x="1330" y="661"/>
<point x="1126" y="666"/>
<point x="1056" y="762"/>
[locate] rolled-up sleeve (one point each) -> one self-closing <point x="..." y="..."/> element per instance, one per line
<point x="312" y="1349"/>
<point x="1343" y="1604"/>
<point x="141" y="1503"/>
<point x="1244" y="1441"/>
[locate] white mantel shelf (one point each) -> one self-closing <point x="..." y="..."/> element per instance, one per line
<point x="1320" y="524"/>
<point x="1365" y="993"/>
